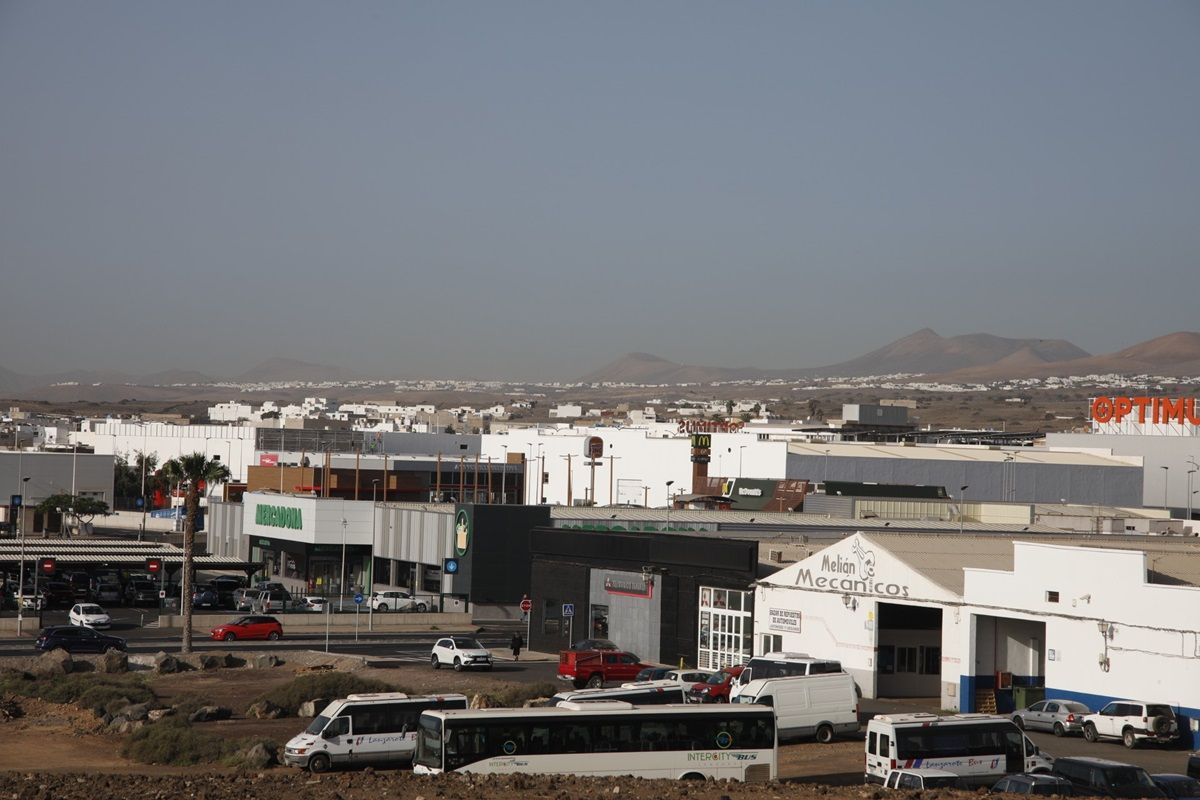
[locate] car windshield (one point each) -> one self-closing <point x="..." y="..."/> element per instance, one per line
<point x="242" y="621"/>
<point x="1182" y="787"/>
<point x="317" y="725"/>
<point x="91" y="610"/>
<point x="1128" y="776"/>
<point x="933" y="781"/>
<point x="1159" y="711"/>
<point x="1078" y="708"/>
<point x="463" y="643"/>
<point x="717" y="678"/>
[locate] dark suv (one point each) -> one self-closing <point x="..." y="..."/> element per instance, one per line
<point x="77" y="639"/>
<point x="1103" y="778"/>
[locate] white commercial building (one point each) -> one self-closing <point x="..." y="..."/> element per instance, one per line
<point x="233" y="445"/>
<point x="985" y="622"/>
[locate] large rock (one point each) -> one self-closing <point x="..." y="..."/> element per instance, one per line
<point x="155" y="714"/>
<point x="137" y="711"/>
<point x="165" y="663"/>
<point x="209" y="714"/>
<point x="114" y="661"/>
<point x="207" y="661"/>
<point x="266" y="661"/>
<point x="310" y="708"/>
<point x="258" y="756"/>
<point x="55" y="662"/>
<point x="484" y="701"/>
<point x="265" y="709"/>
<point x="126" y="725"/>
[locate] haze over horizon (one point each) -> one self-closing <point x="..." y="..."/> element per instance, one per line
<point x="529" y="190"/>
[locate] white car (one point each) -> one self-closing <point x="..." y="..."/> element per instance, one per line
<point x="314" y="603"/>
<point x="89" y="615"/>
<point x="687" y="677"/>
<point x="460" y="652"/>
<point x="1133" y="722"/>
<point x="396" y="601"/>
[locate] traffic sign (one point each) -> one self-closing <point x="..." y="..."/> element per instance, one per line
<point x="16" y="500"/>
<point x="568" y="609"/>
<point x="162" y="594"/>
<point x="526" y="605"/>
<point x="358" y="598"/>
<point x="450" y="566"/>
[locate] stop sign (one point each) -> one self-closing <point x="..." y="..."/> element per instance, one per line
<point x="526" y="605"/>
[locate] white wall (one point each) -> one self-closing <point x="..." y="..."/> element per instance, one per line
<point x="321" y="519"/>
<point x="1154" y="651"/>
<point x="648" y="456"/>
<point x="234" y="444"/>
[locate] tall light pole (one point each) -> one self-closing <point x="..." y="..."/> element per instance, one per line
<point x="371" y="588"/>
<point x="1191" y="472"/>
<point x="342" y="577"/>
<point x="826" y="479"/>
<point x="669" y="483"/>
<point x="741" y="447"/>
<point x="962" y="490"/>
<point x="1166" y="475"/>
<point x="21" y="569"/>
<point x="374" y="488"/>
<point x="503" y="474"/>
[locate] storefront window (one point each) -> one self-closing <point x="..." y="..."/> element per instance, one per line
<point x="726" y="628"/>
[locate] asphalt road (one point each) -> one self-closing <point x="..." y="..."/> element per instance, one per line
<point x="383" y="650"/>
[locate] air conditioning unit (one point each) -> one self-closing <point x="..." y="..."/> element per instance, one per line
<point x="775" y="556"/>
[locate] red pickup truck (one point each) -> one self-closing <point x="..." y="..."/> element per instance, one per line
<point x="594" y="668"/>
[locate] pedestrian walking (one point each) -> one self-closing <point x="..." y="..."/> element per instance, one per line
<point x="517" y="643"/>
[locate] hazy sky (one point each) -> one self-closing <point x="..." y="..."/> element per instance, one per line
<point x="512" y="189"/>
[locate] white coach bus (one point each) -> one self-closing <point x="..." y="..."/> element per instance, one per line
<point x="603" y="738"/>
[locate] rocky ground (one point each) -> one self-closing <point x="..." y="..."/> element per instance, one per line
<point x="278" y="785"/>
<point x="62" y="751"/>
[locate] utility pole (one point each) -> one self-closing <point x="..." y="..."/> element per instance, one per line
<point x="475" y="481"/>
<point x="570" y="495"/>
<point x="357" y="459"/>
<point x="541" y="482"/>
<point x="489" y="477"/>
<point x="437" y="481"/>
<point x="612" y="468"/>
<point x="504" y="477"/>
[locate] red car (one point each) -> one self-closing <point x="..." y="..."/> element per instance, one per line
<point x="594" y="668"/>
<point x="716" y="688"/>
<point x="249" y="627"/>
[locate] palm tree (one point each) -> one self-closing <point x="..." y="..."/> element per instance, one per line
<point x="189" y="472"/>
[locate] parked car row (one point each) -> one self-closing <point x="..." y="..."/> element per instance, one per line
<point x="1130" y="721"/>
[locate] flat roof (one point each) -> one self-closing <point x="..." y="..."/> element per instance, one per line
<point x="974" y="453"/>
<point x="942" y="557"/>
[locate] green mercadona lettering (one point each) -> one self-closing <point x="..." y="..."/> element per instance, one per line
<point x="278" y="517"/>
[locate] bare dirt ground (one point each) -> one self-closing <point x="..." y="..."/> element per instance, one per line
<point x="61" y="752"/>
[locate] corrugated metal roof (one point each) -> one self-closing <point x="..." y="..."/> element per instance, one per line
<point x="1019" y="455"/>
<point x="99" y="551"/>
<point x="942" y="557"/>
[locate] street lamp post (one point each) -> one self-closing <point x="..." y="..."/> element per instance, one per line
<point x="962" y="490"/>
<point x="21" y="569"/>
<point x="1191" y="472"/>
<point x="504" y="475"/>
<point x="342" y="577"/>
<point x="741" y="447"/>
<point x="669" y="483"/>
<point x="826" y="478"/>
<point x="1166" y="483"/>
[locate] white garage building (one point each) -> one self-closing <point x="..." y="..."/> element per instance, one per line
<point x="976" y="622"/>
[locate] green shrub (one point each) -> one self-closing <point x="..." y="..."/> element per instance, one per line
<point x="176" y="742"/>
<point x="329" y="685"/>
<point x="86" y="690"/>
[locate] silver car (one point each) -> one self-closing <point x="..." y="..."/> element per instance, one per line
<point x="1057" y="716"/>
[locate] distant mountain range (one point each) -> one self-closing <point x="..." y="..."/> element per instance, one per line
<point x="973" y="357"/>
<point x="68" y="384"/>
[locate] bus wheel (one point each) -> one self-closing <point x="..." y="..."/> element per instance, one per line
<point x="825" y="734"/>
<point x="318" y="763"/>
<point x="691" y="776"/>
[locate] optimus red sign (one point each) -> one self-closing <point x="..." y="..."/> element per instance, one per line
<point x="593" y="447"/>
<point x="708" y="426"/>
<point x="268" y="460"/>
<point x="1155" y="410"/>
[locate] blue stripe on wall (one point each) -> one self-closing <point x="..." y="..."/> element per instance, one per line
<point x="969" y="683"/>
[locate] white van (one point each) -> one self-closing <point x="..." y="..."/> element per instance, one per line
<point x="822" y="706"/>
<point x="781" y="665"/>
<point x="978" y="748"/>
<point x="364" y="729"/>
